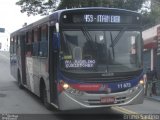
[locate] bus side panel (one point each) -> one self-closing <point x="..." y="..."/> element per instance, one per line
<point x="22" y="54"/>
<point x="36" y="61"/>
<point x="32" y="71"/>
<point x="15" y="57"/>
<point x="18" y="67"/>
<point x="53" y="63"/>
<point x="36" y="74"/>
<point x="40" y="62"/>
<point x="29" y="73"/>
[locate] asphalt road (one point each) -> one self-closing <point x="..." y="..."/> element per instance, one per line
<point x="12" y="99"/>
<point x="23" y="105"/>
<point x="148" y="107"/>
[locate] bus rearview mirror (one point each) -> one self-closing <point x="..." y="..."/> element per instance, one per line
<point x="57" y="27"/>
<point x="56" y="43"/>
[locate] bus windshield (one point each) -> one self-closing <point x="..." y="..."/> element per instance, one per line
<point x="91" y="50"/>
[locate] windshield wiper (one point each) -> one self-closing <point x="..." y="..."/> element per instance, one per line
<point x="87" y="34"/>
<point x="88" y="37"/>
<point x="112" y="45"/>
<point x="117" y="38"/>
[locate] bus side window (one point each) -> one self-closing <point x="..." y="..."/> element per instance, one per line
<point x="18" y="45"/>
<point x="14" y="44"/>
<point x="29" y="46"/>
<point x="11" y="45"/>
<point x="55" y="39"/>
<point x="44" y="41"/>
<point x="35" y="42"/>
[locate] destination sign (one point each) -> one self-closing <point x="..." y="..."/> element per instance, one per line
<point x="100" y="18"/>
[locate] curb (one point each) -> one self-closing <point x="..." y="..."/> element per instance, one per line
<point x="152" y="99"/>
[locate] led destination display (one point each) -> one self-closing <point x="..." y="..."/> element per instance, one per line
<point x="101" y="18"/>
<point x="72" y="18"/>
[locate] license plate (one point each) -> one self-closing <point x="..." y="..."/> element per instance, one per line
<point x="107" y="100"/>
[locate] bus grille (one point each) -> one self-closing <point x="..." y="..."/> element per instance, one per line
<point x="98" y="78"/>
<point x="104" y="92"/>
<point x="107" y="80"/>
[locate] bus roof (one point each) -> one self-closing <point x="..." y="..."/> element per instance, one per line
<point x="98" y="8"/>
<point x="56" y="15"/>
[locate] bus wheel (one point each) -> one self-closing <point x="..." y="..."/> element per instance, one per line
<point x="19" y="81"/>
<point x="44" y="98"/>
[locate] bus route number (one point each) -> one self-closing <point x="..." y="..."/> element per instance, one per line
<point x="89" y="18"/>
<point x="124" y="85"/>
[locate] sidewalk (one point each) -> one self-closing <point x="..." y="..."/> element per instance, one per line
<point x="154" y="98"/>
<point x="149" y="91"/>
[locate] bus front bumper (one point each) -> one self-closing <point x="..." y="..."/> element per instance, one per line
<point x="69" y="101"/>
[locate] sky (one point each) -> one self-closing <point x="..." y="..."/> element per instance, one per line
<point x="12" y="19"/>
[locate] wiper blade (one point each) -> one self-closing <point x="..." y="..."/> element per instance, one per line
<point x="86" y="33"/>
<point x="117" y="38"/>
<point x="111" y="45"/>
<point x="88" y="37"/>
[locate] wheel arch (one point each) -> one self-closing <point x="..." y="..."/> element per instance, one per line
<point x="19" y="79"/>
<point x="42" y="86"/>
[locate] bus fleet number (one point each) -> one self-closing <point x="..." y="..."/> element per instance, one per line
<point x="124" y="85"/>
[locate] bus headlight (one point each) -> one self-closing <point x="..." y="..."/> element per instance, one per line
<point x="69" y="89"/>
<point x="141" y="82"/>
<point x="65" y="86"/>
<point x="137" y="87"/>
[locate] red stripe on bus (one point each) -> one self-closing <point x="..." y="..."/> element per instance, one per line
<point x="86" y="87"/>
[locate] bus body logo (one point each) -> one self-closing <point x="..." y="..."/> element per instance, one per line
<point x="124" y="85"/>
<point x="108" y="74"/>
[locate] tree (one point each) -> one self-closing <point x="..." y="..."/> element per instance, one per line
<point x="35" y="7"/>
<point x="46" y="6"/>
<point x="125" y="4"/>
<point x="155" y="11"/>
<point x="152" y="17"/>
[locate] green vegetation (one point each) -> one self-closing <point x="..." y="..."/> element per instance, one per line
<point x="125" y="4"/>
<point x="44" y="7"/>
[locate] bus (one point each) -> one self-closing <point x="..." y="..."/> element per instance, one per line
<point x="0" y="45"/>
<point x="81" y="58"/>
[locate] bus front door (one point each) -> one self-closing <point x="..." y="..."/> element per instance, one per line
<point x="53" y="63"/>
